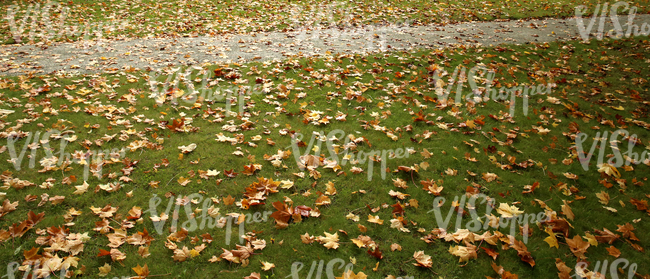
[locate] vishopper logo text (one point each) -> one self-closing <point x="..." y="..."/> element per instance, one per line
<point x="38" y="19"/>
<point x="43" y="270"/>
<point x="333" y="23"/>
<point x="632" y="28"/>
<point x="209" y="217"/>
<point x="311" y="162"/>
<point x="92" y="160"/>
<point x="222" y="85"/>
<point x="296" y="267"/>
<point x="35" y="270"/>
<point x="510" y="215"/>
<point x="581" y="271"/>
<point x="480" y="75"/>
<point x="617" y="159"/>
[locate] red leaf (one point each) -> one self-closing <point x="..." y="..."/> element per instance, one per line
<point x="103" y="252"/>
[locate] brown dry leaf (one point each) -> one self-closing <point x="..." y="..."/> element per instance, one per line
<point x="522" y="252"/>
<point x="425" y="153"/>
<point x="7" y="207"/>
<point x="81" y="188"/>
<point x="564" y="270"/>
<point x="306" y="238"/>
<point x="628" y="231"/>
<point x="323" y="200"/>
<point x="529" y="189"/>
<point x="134" y="213"/>
<point x="611" y="209"/>
<point x="356" y="170"/>
<point x="398" y="195"/>
<point x="362" y="228"/>
<point x="502" y="272"/>
<point x="116" y="255"/>
<point x="570" y="176"/>
<point x="451" y="172"/>
<point x="400" y="183"/>
<point x="578" y="246"/>
<point x="603" y="197"/>
<point x="432" y="187"/>
<point x="566" y="210"/>
<point x="606" y="236"/>
<point x="229" y="200"/>
<point x="117" y="238"/>
<point x="422" y="259"/>
<point x="489" y="177"/>
<point x="144" y="251"/>
<point x="491" y="252"/>
<point x="613" y="251"/>
<point x="560" y="225"/>
<point x="283" y="214"/>
<point x="641" y="205"/>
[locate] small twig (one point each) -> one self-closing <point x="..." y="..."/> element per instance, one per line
<point x="413" y="179"/>
<point x="479" y="245"/>
<point x="361" y="207"/>
<point x="160" y="275"/>
<point x="171" y="179"/>
<point x="408" y="260"/>
<point x="115" y="221"/>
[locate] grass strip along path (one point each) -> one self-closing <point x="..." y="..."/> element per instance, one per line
<point x="172" y="18"/>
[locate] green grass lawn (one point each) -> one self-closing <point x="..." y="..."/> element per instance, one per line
<point x="601" y="86"/>
<point x="167" y="18"/>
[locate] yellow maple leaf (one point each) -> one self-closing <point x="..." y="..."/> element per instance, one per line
<point x="609" y="170"/>
<point x="142" y="271"/>
<point x="591" y="239"/>
<point x="330" y="189"/>
<point x="104" y="270"/>
<point x="375" y="219"/>
<point x="266" y="266"/>
<point x="465" y="253"/>
<point x="349" y="274"/>
<point x="551" y="239"/>
<point x="331" y="241"/>
<point x="508" y="211"/>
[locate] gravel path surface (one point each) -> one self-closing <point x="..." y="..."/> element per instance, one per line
<point x="109" y="56"/>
